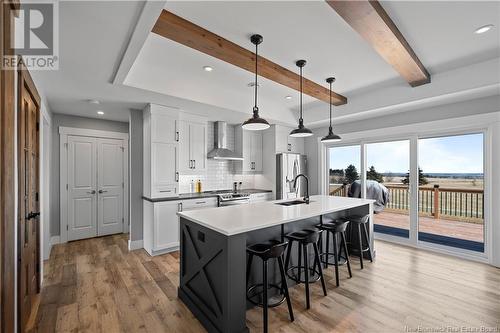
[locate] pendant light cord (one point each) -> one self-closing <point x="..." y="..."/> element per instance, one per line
<point x="331" y="105"/>
<point x="301" y="93"/>
<point x="256" y="61"/>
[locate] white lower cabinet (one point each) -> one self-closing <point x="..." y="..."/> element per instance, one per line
<point x="161" y="223"/>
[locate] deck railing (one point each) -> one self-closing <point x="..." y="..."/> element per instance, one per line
<point x="466" y="204"/>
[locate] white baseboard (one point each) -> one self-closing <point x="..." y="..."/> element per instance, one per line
<point x="135" y="245"/>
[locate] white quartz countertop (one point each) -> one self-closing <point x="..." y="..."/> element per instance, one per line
<point x="232" y="220"/>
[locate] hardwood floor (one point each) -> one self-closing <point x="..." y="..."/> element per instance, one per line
<point x="97" y="285"/>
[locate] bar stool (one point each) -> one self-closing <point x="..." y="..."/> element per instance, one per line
<point x="272" y="250"/>
<point x="305" y="238"/>
<point x="360" y="221"/>
<point x="335" y="228"/>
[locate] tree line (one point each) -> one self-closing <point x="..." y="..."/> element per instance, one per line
<point x="350" y="174"/>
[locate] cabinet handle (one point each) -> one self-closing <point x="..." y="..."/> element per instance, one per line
<point x="102" y="191"/>
<point x="177" y="136"/>
<point x="190" y="164"/>
<point x="289" y="146"/>
<point x="91" y="192"/>
<point x="177" y="177"/>
<point x="179" y="208"/>
<point x="201" y="202"/>
<point x="194" y="164"/>
<point x="165" y="191"/>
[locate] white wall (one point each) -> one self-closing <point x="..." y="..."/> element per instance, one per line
<point x="487" y="121"/>
<point x="135" y="175"/>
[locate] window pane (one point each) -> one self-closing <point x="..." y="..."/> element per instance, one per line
<point x="451" y="191"/>
<point x="345" y="167"/>
<point x="388" y="165"/>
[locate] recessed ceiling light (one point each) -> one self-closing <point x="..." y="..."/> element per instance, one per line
<point x="483" y="29"/>
<point x="288" y="97"/>
<point x="207" y="68"/>
<point x="94" y="101"/>
<point x="100" y="113"/>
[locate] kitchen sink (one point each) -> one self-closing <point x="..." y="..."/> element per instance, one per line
<point x="291" y="203"/>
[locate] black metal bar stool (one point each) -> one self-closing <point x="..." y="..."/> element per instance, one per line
<point x="272" y="250"/>
<point x="304" y="238"/>
<point x="360" y="222"/>
<point x="335" y="228"/>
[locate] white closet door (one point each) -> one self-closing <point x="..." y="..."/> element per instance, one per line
<point x="82" y="184"/>
<point x="110" y="185"/>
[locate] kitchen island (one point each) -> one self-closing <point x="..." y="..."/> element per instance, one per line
<point x="213" y="257"/>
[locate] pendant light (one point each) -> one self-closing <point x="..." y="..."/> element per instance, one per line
<point x="256" y="123"/>
<point x="331" y="137"/>
<point x="301" y="131"/>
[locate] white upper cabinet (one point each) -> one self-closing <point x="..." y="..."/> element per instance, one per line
<point x="161" y="151"/>
<point x="285" y="143"/>
<point x="193" y="146"/>
<point x="249" y="145"/>
<point x="163" y="126"/>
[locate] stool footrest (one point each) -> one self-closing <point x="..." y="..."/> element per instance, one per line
<point x="258" y="294"/>
<point x="313" y="274"/>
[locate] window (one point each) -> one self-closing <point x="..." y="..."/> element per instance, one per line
<point x="345" y="166"/>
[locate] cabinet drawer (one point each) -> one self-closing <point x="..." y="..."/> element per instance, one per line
<point x="199" y="203"/>
<point x="164" y="191"/>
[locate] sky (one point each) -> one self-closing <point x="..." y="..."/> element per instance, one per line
<point x="452" y="154"/>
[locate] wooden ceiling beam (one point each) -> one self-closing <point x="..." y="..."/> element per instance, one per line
<point x="189" y="34"/>
<point x="372" y="22"/>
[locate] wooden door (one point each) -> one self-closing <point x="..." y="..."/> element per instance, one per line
<point x="82" y="187"/>
<point x="110" y="185"/>
<point x="28" y="201"/>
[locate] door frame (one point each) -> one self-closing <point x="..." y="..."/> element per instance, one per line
<point x="64" y="132"/>
<point x="7" y="173"/>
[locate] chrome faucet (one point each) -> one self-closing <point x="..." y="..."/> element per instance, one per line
<point x="306" y="198"/>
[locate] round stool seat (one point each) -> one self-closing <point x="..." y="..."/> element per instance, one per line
<point x="268" y="250"/>
<point x="305" y="236"/>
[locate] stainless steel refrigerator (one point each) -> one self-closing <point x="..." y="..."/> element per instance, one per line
<point x="288" y="166"/>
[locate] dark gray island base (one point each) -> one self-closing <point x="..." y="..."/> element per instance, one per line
<point x="213" y="265"/>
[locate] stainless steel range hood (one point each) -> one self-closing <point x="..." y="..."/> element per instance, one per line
<point x="220" y="151"/>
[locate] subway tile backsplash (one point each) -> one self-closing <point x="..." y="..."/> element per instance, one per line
<point x="220" y="174"/>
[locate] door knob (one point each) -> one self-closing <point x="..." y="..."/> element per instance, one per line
<point x="102" y="191"/>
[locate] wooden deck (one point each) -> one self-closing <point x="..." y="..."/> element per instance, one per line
<point x="449" y="228"/>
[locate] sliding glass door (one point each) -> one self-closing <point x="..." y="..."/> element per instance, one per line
<point x="388" y="180"/>
<point x="451" y="191"/>
<point x="429" y="191"/>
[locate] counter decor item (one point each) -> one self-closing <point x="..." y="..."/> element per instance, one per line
<point x="198" y="186"/>
<point x="191" y="186"/>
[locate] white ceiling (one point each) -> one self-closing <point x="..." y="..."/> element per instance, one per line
<point x="95" y="35"/>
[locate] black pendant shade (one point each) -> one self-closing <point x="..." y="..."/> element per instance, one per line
<point x="301" y="131"/>
<point x="330" y="137"/>
<point x="256" y="123"/>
